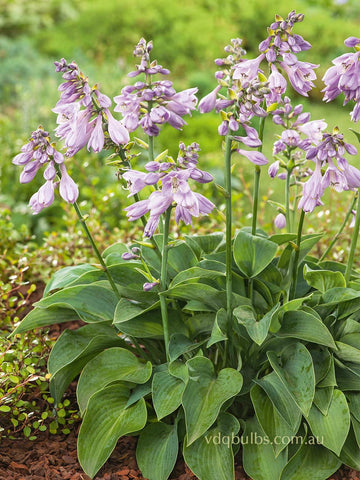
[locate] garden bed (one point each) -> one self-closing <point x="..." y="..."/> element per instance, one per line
<point x="54" y="458"/>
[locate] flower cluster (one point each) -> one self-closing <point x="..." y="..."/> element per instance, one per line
<point x="175" y="189"/>
<point x="38" y="152"/>
<point x="83" y="113"/>
<point x="340" y="176"/>
<point x="152" y="103"/>
<point x="344" y="77"/>
<point x="280" y="48"/>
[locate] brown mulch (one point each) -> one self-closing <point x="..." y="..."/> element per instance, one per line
<point x="54" y="458"/>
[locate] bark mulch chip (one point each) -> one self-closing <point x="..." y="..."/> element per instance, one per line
<point x="54" y="458"/>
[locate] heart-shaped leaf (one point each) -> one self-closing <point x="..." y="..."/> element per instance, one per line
<point x="105" y="421"/>
<point x="205" y="394"/>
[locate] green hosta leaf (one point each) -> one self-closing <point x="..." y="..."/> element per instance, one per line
<point x="167" y="393"/>
<point x="323" y="280"/>
<point x="346" y="300"/>
<point x="181" y="257"/>
<point x="210" y="296"/>
<point x="211" y="456"/>
<point x="113" y="254"/>
<point x="42" y="317"/>
<point x="127" y="310"/>
<point x="73" y="349"/>
<point x="219" y="328"/>
<point x="311" y="462"/>
<point x="105" y="421"/>
<point x="350" y="454"/>
<point x="321" y="361"/>
<point x="149" y="325"/>
<point x="205" y="244"/>
<point x="303" y="325"/>
<point x="205" y="394"/>
<point x="259" y="460"/>
<point x="157" y="450"/>
<point x="92" y="303"/>
<point x="65" y="276"/>
<point x="347" y="352"/>
<point x="257" y="329"/>
<point x="347" y="376"/>
<point x="354" y="404"/>
<point x="323" y="398"/>
<point x="195" y="273"/>
<point x="112" y="365"/>
<point x="280" y="397"/>
<point x="252" y="253"/>
<point x="332" y="428"/>
<point x="271" y="421"/>
<point x="281" y="238"/>
<point x="180" y="344"/>
<point x="297" y="374"/>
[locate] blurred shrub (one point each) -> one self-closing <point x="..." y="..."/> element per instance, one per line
<point x="24" y="16"/>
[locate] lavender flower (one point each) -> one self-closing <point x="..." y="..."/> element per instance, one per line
<point x="83" y="114"/>
<point x="340" y="176"/>
<point x="257" y="158"/>
<point x="38" y="152"/>
<point x="280" y="221"/>
<point x="280" y="48"/>
<point x="344" y="77"/>
<point x="175" y="190"/>
<point x="150" y="103"/>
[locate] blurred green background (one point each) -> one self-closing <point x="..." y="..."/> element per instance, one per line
<point x="100" y="35"/>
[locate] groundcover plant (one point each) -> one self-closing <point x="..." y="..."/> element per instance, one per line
<point x="221" y="345"/>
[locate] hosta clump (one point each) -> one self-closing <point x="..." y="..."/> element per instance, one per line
<point x="222" y="346"/>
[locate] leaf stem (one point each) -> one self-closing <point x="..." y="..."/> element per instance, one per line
<point x="353" y="242"/>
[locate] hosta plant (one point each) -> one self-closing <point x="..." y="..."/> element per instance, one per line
<point x="229" y="344"/>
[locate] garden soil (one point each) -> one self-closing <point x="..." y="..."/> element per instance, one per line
<point x="53" y="457"/>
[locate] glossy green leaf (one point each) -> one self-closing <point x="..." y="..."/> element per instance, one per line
<point x="198" y="291"/>
<point x="296" y="372"/>
<point x="205" y="244"/>
<point x="350" y="454"/>
<point x="311" y="462"/>
<point x="332" y="428"/>
<point x="305" y="326"/>
<point x="195" y="274"/>
<point x="218" y="332"/>
<point x="65" y="276"/>
<point x="347" y="352"/>
<point x="323" y="280"/>
<point x="180" y="344"/>
<point x="211" y="456"/>
<point x="181" y="257"/>
<point x="157" y="450"/>
<point x="111" y="365"/>
<point x="281" y="238"/>
<point x="273" y="424"/>
<point x="167" y="393"/>
<point x="205" y="394"/>
<point x="259" y="459"/>
<point x="253" y="253"/>
<point x="354" y="404"/>
<point x="257" y="329"/>
<point x="323" y="398"/>
<point x="105" y="421"/>
<point x="92" y="303"/>
<point x="73" y="349"/>
<point x="127" y="310"/>
<point x="42" y="317"/>
<point x="280" y="397"/>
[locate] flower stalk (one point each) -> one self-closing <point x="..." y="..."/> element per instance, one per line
<point x="354" y="240"/>
<point x="228" y="235"/>
<point x="163" y="282"/>
<point x="296" y="257"/>
<point x="257" y="177"/>
<point x="335" y="239"/>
